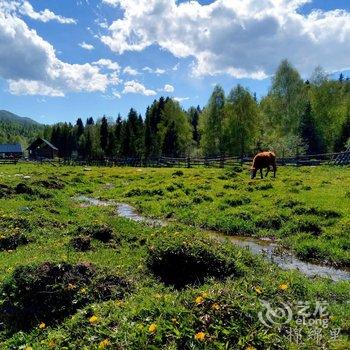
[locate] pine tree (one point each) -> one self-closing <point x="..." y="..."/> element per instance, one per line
<point x="80" y="127"/>
<point x="104" y="134"/>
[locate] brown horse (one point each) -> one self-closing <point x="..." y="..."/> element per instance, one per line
<point x="263" y="160"/>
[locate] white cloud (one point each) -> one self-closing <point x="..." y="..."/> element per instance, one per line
<point x="103" y="62"/>
<point x="181" y="99"/>
<point x="86" y="46"/>
<point x="245" y="38"/>
<point x="155" y="71"/>
<point x="134" y="87"/>
<point x="44" y="16"/>
<point x="130" y="71"/>
<point x="112" y="3"/>
<point x="31" y="67"/>
<point x="168" y="88"/>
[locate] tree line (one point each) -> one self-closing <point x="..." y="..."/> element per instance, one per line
<point x="296" y="116"/>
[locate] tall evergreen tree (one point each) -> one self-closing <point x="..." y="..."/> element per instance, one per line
<point x="104" y="134"/>
<point x="194" y="114"/>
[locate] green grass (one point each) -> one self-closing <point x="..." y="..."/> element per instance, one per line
<point x="306" y="209"/>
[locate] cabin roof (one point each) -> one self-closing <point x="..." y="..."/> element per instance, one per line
<point x="39" y="141"/>
<point x="10" y="148"/>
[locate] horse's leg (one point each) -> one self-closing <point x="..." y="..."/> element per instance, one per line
<point x="261" y="173"/>
<point x="267" y="171"/>
<point x="274" y="170"/>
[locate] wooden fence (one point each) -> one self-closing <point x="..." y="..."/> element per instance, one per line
<point x="189" y="162"/>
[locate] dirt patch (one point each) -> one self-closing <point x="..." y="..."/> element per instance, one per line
<point x="50" y="292"/>
<point x="81" y="243"/>
<point x="11" y="242"/>
<point x="51" y="184"/>
<point x="102" y="233"/>
<point x="23" y="188"/>
<point x="5" y="191"/>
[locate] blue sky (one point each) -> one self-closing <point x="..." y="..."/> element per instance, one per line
<point x="63" y="59"/>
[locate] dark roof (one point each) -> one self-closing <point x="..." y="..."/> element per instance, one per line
<point x="11" y="148"/>
<point x="40" y="141"/>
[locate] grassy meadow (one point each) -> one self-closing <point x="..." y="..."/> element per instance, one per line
<point x="74" y="276"/>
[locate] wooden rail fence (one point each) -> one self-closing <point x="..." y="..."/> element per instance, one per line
<point x="341" y="158"/>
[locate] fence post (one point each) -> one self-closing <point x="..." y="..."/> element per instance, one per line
<point x="188" y="162"/>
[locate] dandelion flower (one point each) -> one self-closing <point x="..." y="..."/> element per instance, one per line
<point x="204" y="294"/>
<point x="215" y="306"/>
<point x="258" y="290"/>
<point x="42" y="325"/>
<point x="199" y="336"/>
<point x="93" y="319"/>
<point x="152" y="328"/>
<point x="52" y="344"/>
<point x="199" y="300"/>
<point x="283" y="286"/>
<point x="104" y="343"/>
<point x="250" y="347"/>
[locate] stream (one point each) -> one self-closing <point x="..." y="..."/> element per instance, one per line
<point x="265" y="247"/>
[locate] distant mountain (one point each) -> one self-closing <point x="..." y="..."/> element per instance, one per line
<point x="7" y="116"/>
<point x="16" y="129"/>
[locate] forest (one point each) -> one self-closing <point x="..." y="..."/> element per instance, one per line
<point x="295" y="117"/>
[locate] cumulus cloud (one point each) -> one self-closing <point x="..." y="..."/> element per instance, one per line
<point x="86" y="46"/>
<point x="30" y="65"/>
<point x="168" y="88"/>
<point x="130" y="71"/>
<point x="244" y="38"/>
<point x="134" y="87"/>
<point x="109" y="64"/>
<point x="44" y="16"/>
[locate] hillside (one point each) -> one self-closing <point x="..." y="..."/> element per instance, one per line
<point x="14" y="128"/>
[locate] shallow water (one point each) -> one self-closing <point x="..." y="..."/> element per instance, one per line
<point x="269" y="249"/>
<point x="88" y="201"/>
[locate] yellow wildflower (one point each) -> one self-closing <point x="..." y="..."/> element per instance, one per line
<point x="258" y="290"/>
<point x="83" y="290"/>
<point x="204" y="294"/>
<point x="104" y="343"/>
<point x="52" y="344"/>
<point x="199" y="336"/>
<point x="283" y="286"/>
<point x="28" y="348"/>
<point x="71" y="286"/>
<point x="152" y="328"/>
<point x="93" y="319"/>
<point x="215" y="306"/>
<point x="250" y="347"/>
<point x="199" y="300"/>
<point x="42" y="325"/>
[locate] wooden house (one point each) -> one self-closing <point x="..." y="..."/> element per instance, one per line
<point x="42" y="149"/>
